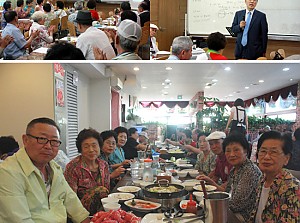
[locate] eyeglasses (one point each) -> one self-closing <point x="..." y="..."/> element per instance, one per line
<point x="113" y="143"/>
<point x="272" y="153"/>
<point x="42" y="140"/>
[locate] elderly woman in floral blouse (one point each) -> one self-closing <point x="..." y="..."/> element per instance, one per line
<point x="278" y="193"/>
<point x="86" y="174"/>
<point x="45" y="36"/>
<point x="206" y="159"/>
<point x="243" y="177"/>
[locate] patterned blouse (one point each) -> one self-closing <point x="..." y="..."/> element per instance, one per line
<point x="89" y="186"/>
<point x="283" y="204"/>
<point x="242" y="187"/>
<point x="43" y="39"/>
<point x="208" y="165"/>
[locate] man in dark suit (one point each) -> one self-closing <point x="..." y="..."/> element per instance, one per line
<point x="251" y="28"/>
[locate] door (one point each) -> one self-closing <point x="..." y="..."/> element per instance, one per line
<point x="169" y="16"/>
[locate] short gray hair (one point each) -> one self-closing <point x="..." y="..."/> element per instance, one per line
<point x="127" y="44"/>
<point x="38" y="15"/>
<point x="181" y="43"/>
<point x="78" y="5"/>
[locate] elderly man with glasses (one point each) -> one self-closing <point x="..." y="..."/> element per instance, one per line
<point x="32" y="186"/>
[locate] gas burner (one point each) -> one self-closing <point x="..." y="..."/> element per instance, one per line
<point x="173" y="213"/>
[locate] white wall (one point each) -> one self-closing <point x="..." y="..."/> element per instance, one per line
<point x="100" y="104"/>
<point x="26" y="92"/>
<point x="83" y="102"/>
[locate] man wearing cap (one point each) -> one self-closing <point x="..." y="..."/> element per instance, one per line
<point x="153" y="47"/>
<point x="143" y="138"/>
<point x="91" y="37"/>
<point x="127" y="40"/>
<point x="221" y="172"/>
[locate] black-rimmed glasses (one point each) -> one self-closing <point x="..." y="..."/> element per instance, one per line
<point x="42" y="140"/>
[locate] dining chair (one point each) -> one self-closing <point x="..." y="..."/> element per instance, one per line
<point x="55" y="23"/>
<point x="71" y="28"/>
<point x="63" y="24"/>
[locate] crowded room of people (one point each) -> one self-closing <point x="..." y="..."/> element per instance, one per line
<point x="132" y="142"/>
<point x="74" y="30"/>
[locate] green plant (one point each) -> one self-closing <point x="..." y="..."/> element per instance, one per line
<point x="131" y="115"/>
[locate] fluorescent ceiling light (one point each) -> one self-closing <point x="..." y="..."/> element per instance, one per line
<point x="136" y="69"/>
<point x="286" y="69"/>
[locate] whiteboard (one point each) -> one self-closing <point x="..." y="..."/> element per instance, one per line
<point x="207" y="16"/>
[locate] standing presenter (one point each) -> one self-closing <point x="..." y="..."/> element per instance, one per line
<point x="251" y="28"/>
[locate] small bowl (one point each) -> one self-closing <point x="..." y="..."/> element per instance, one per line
<point x="182" y="173"/>
<point x="198" y="195"/>
<point x="107" y="200"/>
<point x="189" y="186"/>
<point x="194" y="173"/>
<point x="111" y="206"/>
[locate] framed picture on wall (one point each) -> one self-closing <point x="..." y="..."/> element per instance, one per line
<point x="60" y="94"/>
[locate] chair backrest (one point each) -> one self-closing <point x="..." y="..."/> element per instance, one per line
<point x="64" y="23"/>
<point x="145" y="33"/>
<point x="26" y="35"/>
<point x="55" y="22"/>
<point x="71" y="28"/>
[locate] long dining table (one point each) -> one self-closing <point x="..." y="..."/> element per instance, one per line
<point x="127" y="181"/>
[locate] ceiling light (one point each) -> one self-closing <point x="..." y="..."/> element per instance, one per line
<point x="136" y="69"/>
<point x="167" y="81"/>
<point x="168" y="68"/>
<point x="214" y="80"/>
<point x="230" y="95"/>
<point x="286" y="69"/>
<point x="144" y="87"/>
<point x="207" y="86"/>
<point x="227" y="68"/>
<point x="165" y="93"/>
<point x="261" y="81"/>
<point x="246" y="87"/>
<point x="291" y="79"/>
<point x="234" y="92"/>
<point x="167" y="86"/>
<point x="162" y="84"/>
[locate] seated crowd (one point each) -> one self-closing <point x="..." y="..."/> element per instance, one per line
<point x="260" y="192"/>
<point x="46" y="25"/>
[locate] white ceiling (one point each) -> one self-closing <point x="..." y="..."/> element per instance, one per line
<point x="189" y="78"/>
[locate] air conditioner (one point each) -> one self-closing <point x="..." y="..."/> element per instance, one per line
<point x="116" y="83"/>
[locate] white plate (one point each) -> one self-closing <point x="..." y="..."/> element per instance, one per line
<point x="152" y="205"/>
<point x="185" y="165"/>
<point x="122" y="196"/>
<point x="208" y="187"/>
<point x="158" y="218"/>
<point x="129" y="189"/>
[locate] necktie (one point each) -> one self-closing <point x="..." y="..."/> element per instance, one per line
<point x="245" y="34"/>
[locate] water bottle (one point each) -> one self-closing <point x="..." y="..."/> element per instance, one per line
<point x="148" y="173"/>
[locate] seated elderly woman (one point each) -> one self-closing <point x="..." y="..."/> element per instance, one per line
<point x="86" y="174"/>
<point x="45" y="36"/>
<point x="108" y="147"/>
<point x="278" y="192"/>
<point x="206" y="159"/>
<point x="117" y="158"/>
<point x="243" y="177"/>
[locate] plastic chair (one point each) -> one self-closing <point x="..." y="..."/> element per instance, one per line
<point x="71" y="28"/>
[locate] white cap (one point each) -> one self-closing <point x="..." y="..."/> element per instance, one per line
<point x="216" y="135"/>
<point x="144" y="134"/>
<point x="153" y="26"/>
<point x="130" y="30"/>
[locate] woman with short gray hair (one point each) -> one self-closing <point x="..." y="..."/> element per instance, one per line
<point x="45" y="36"/>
